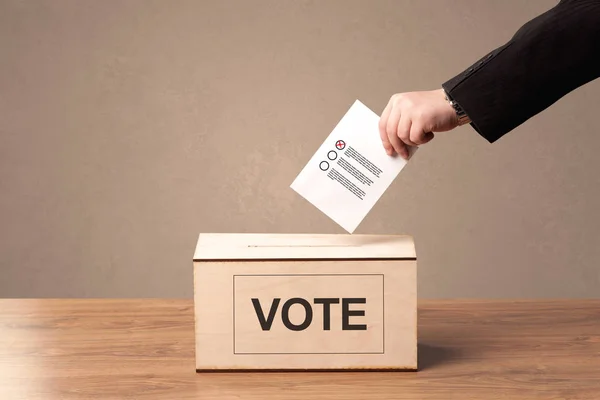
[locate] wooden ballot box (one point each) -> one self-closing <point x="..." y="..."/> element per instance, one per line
<point x="305" y="302"/>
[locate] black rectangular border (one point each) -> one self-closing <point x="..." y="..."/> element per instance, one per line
<point x="351" y="353"/>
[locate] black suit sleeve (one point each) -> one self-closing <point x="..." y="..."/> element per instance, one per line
<point x="547" y="58"/>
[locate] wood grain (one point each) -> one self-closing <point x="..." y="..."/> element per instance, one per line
<point x="144" y="349"/>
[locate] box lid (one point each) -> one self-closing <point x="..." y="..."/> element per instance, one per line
<point x="257" y="246"/>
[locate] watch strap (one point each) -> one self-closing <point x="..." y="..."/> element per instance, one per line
<point x="463" y="118"/>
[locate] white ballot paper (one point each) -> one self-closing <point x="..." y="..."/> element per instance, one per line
<point x="351" y="170"/>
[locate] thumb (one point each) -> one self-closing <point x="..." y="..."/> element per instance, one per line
<point x="419" y="135"/>
<point x="428" y="136"/>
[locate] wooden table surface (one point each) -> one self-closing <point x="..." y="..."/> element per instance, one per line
<point x="144" y="349"/>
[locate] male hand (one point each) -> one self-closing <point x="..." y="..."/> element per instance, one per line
<point x="410" y="119"/>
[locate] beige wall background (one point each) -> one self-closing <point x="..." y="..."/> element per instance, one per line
<point x="128" y="127"/>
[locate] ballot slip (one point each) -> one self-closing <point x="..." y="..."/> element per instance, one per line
<point x="350" y="171"/>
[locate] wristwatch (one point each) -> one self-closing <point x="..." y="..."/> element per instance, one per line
<point x="463" y="118"/>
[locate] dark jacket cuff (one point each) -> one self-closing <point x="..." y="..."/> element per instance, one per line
<point x="547" y="58"/>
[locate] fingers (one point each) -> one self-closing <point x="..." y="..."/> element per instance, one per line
<point x="402" y="135"/>
<point x="398" y="145"/>
<point x="383" y="128"/>
<point x="409" y="120"/>
<point x="392" y="128"/>
<point x="404" y="152"/>
<point x="403" y="131"/>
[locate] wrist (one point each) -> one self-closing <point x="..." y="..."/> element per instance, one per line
<point x="461" y="116"/>
<point x="449" y="114"/>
